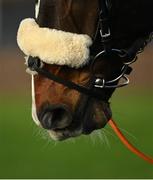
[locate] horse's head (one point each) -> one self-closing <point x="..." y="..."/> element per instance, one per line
<point x="59" y="107"/>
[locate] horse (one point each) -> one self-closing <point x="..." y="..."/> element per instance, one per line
<point x="77" y="52"/>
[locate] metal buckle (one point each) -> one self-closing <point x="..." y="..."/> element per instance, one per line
<point x="106" y="35"/>
<point x="107" y="84"/>
<point x="99" y="83"/>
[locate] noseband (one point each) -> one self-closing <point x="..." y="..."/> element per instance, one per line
<point x="127" y="57"/>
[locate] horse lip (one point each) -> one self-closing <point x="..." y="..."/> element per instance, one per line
<point x="63" y="134"/>
<point x="87" y="132"/>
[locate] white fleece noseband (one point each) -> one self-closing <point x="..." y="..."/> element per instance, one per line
<point x="53" y="46"/>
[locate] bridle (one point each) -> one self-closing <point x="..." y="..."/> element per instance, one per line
<point x="127" y="57"/>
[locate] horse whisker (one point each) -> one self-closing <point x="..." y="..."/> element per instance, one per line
<point x="106" y="131"/>
<point x="106" y="139"/>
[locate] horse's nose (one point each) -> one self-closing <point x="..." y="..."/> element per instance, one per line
<point x="55" y="118"/>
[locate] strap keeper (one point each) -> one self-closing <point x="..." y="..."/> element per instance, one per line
<point x="105" y="35"/>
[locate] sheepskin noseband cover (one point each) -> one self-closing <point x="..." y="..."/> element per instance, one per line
<point x="53" y="46"/>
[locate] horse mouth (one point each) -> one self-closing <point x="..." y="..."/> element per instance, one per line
<point x="63" y="134"/>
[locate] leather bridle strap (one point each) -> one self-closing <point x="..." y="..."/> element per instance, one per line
<point x="104" y="26"/>
<point x="129" y="55"/>
<point x="33" y="64"/>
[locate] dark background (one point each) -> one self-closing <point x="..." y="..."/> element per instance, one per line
<point x="11" y="13"/>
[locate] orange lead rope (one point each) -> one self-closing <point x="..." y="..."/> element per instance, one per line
<point x="127" y="143"/>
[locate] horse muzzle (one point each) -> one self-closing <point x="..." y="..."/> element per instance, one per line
<point x="62" y="124"/>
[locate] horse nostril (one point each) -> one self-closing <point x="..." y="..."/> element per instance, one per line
<point x="56" y="118"/>
<point x="46" y="120"/>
